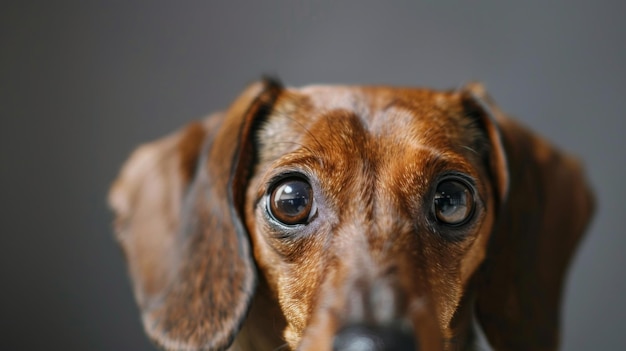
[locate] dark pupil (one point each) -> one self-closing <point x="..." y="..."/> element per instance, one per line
<point x="291" y="202"/>
<point x="453" y="202"/>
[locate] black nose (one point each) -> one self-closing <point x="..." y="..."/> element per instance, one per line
<point x="361" y="337"/>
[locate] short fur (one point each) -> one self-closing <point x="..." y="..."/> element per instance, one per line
<point x="210" y="271"/>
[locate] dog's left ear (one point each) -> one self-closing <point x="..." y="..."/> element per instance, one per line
<point x="178" y="203"/>
<point x="544" y="206"/>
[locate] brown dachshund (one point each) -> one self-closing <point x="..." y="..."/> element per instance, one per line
<point x="351" y="218"/>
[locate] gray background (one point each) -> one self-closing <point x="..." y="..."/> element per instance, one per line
<point x="81" y="84"/>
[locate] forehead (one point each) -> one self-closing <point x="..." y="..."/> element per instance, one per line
<point x="372" y="104"/>
<point x="388" y="119"/>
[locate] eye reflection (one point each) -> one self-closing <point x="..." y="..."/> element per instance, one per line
<point x="291" y="201"/>
<point x="453" y="202"/>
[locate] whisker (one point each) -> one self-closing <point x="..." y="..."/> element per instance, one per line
<point x="470" y="149"/>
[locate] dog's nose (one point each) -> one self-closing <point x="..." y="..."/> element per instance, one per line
<point x="362" y="337"/>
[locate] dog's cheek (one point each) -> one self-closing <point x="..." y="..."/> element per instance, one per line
<point x="292" y="283"/>
<point x="298" y="284"/>
<point x="477" y="251"/>
<point x="266" y="259"/>
<point x="458" y="262"/>
<point x="436" y="281"/>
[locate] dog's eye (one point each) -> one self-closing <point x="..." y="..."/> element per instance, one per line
<point x="291" y="201"/>
<point x="454" y="202"/>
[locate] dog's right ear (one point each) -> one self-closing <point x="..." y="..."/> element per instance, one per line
<point x="178" y="222"/>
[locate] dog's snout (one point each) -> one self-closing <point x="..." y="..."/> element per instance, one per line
<point x="362" y="337"/>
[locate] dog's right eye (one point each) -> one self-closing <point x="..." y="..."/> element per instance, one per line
<point x="291" y="201"/>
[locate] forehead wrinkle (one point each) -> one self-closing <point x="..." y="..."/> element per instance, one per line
<point x="401" y="172"/>
<point x="324" y="99"/>
<point x="411" y="124"/>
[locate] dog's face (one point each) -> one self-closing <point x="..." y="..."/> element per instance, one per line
<point x="366" y="205"/>
<point x="374" y="215"/>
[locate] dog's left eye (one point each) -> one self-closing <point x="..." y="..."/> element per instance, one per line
<point x="453" y="203"/>
<point x="291" y="201"/>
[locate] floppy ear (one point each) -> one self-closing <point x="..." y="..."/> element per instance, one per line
<point x="179" y="224"/>
<point x="544" y="206"/>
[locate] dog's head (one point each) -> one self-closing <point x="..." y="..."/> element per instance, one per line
<point x="361" y="215"/>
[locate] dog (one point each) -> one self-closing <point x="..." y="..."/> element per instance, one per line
<point x="351" y="218"/>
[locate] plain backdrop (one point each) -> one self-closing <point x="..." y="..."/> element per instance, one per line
<point x="82" y="83"/>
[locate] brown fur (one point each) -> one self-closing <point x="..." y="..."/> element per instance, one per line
<point x="201" y="250"/>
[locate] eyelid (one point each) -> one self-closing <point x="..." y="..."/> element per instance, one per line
<point x="456" y="175"/>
